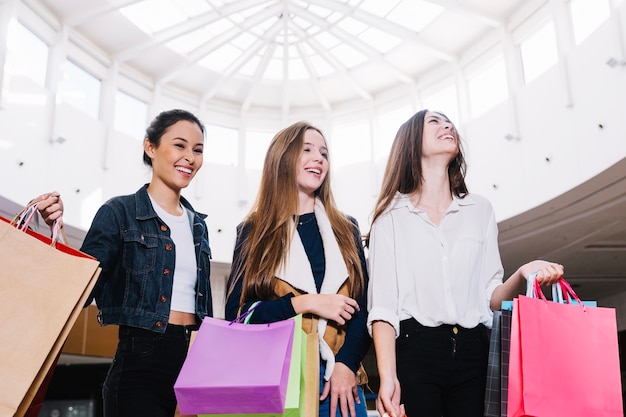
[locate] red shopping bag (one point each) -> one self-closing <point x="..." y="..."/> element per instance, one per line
<point x="564" y="359"/>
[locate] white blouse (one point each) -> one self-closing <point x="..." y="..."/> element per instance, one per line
<point x="436" y="274"/>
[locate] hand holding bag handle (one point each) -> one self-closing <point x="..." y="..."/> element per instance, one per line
<point x="558" y="291"/>
<point x="23" y="219"/>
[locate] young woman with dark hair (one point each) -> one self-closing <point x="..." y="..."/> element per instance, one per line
<point x="435" y="276"/>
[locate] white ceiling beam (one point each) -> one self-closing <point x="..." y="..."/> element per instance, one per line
<point x="353" y="41"/>
<point x="471" y="13"/>
<point x="286" y="84"/>
<point x="222" y="39"/>
<point x="79" y="19"/>
<point x="187" y="26"/>
<point x="314" y="77"/>
<point x="232" y="68"/>
<point x="245" y="106"/>
<point x="384" y="25"/>
<point x="332" y="61"/>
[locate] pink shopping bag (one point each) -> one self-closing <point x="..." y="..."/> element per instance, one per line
<point x="564" y="360"/>
<point x="236" y="368"/>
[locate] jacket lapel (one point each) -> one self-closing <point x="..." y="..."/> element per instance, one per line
<point x="297" y="270"/>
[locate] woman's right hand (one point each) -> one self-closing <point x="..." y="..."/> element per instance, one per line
<point x="336" y="307"/>
<point x="50" y="206"/>
<point x="388" y="402"/>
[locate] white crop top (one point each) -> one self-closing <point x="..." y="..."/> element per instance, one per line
<point x="185" y="273"/>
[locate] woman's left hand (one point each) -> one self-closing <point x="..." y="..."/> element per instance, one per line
<point x="343" y="391"/>
<point x="548" y="273"/>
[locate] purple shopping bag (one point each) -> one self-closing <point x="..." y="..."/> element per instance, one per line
<point x="236" y="368"/>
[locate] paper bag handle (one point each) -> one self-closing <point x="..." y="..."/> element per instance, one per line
<point x="23" y="219"/>
<point x="563" y="287"/>
<point x="245" y="317"/>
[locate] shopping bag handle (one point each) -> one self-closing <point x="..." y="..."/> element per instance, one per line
<point x="23" y="219"/>
<point x="245" y="317"/>
<point x="564" y="287"/>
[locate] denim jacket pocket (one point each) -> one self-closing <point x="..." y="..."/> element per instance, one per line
<point x="140" y="252"/>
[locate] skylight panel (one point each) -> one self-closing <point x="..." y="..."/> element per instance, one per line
<point x="327" y="40"/>
<point x="377" y="7"/>
<point x="152" y="16"/>
<point x="250" y="66"/>
<point x="291" y="38"/>
<point x="352" y="26"/>
<point x="187" y="43"/>
<point x="414" y="14"/>
<point x="303" y="24"/>
<point x="347" y="55"/>
<point x="220" y="26"/>
<point x="250" y="11"/>
<point x="275" y="70"/>
<point x="306" y="49"/>
<point x="243" y="41"/>
<point x="236" y="18"/>
<point x="221" y="58"/>
<point x="260" y="28"/>
<point x="334" y="17"/>
<point x="539" y="52"/>
<point x="321" y="65"/>
<point x="319" y="11"/>
<point x="193" y="8"/>
<point x="380" y="40"/>
<point x="292" y="51"/>
<point x="297" y="69"/>
<point x="587" y="15"/>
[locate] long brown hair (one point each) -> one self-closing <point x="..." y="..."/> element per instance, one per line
<point x="403" y="172"/>
<point x="271" y="220"/>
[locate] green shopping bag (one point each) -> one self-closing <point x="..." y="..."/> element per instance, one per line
<point x="295" y="394"/>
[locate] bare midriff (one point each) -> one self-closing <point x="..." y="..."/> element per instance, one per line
<point x="182" y="319"/>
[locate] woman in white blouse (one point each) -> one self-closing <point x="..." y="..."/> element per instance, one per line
<point x="435" y="276"/>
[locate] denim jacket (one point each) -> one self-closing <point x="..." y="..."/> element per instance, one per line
<point x="137" y="257"/>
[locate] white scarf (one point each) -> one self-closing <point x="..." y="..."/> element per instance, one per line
<point x="296" y="271"/>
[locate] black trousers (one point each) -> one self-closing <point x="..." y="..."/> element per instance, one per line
<point x="140" y="381"/>
<point x="442" y="370"/>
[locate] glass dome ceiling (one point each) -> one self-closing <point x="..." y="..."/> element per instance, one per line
<point x="284" y="55"/>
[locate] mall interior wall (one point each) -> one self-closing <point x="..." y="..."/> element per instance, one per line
<point x="549" y="136"/>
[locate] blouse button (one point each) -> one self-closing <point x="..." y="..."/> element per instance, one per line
<point x="163" y="298"/>
<point x="168" y="246"/>
<point x="163" y="227"/>
<point x="166" y="272"/>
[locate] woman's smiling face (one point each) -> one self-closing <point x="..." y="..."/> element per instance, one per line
<point x="439" y="136"/>
<point x="313" y="165"/>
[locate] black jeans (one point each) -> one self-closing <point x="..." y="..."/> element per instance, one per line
<point x="140" y="381"/>
<point x="442" y="370"/>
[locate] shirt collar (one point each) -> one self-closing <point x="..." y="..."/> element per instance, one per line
<point x="403" y="200"/>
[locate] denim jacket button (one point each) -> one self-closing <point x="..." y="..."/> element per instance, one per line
<point x="158" y="324"/>
<point x="168" y="246"/>
<point x="163" y="228"/>
<point x="163" y="298"/>
<point x="166" y="272"/>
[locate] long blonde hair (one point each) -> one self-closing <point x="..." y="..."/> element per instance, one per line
<point x="271" y="224"/>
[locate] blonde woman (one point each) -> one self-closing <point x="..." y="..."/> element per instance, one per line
<point x="298" y="254"/>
